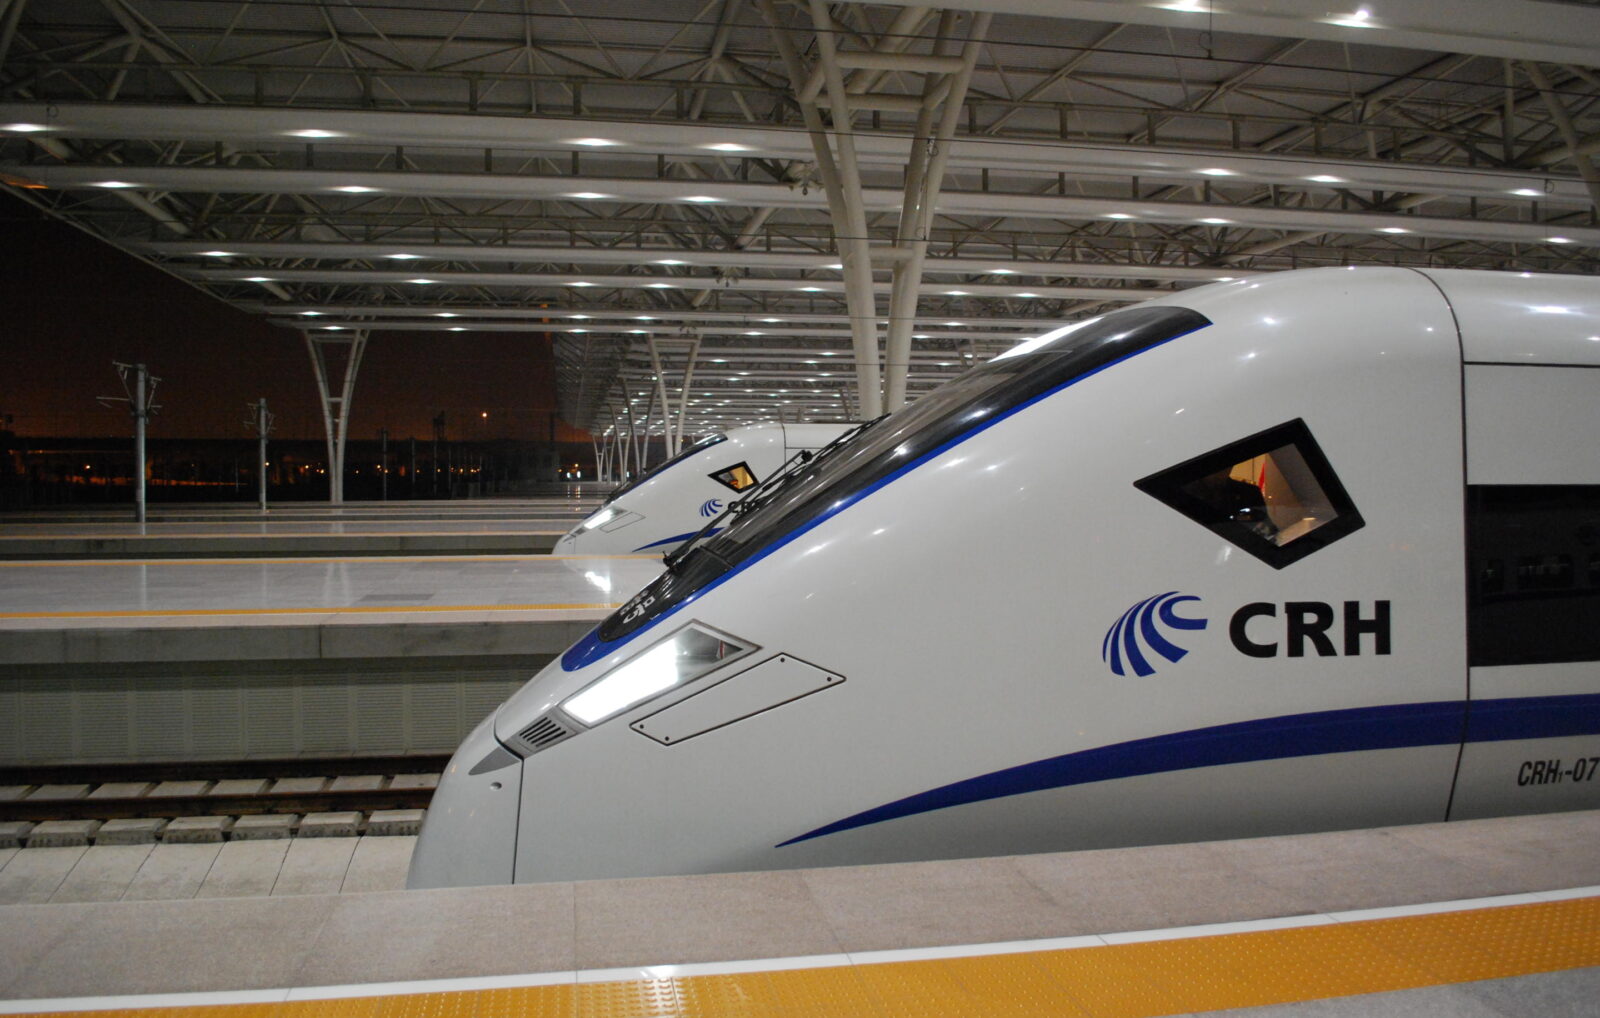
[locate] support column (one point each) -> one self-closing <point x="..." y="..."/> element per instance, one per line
<point x="336" y="409"/>
<point x="262" y="424"/>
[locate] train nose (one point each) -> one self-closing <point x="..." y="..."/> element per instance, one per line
<point x="469" y="836"/>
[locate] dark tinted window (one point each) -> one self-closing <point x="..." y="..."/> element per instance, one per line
<point x="738" y="477"/>
<point x="1274" y="494"/>
<point x="656" y="471"/>
<point x="1533" y="569"/>
<point x="962" y="406"/>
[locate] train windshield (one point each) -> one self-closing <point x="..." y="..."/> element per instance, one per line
<point x="956" y="409"/>
<point x="656" y="471"/>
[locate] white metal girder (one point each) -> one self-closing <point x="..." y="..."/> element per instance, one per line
<point x="373" y="184"/>
<point x="1520" y="29"/>
<point x="369" y="131"/>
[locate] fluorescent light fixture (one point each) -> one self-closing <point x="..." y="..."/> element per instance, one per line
<point x="1118" y="215"/>
<point x="446" y="314"/>
<point x="578" y="331"/>
<point x="956" y="293"/>
<point x="1217" y="222"/>
<point x="701" y="198"/>
<point x="579" y="318"/>
<point x="836" y="266"/>
<point x="258" y="279"/>
<point x="727" y="146"/>
<point x="1002" y="272"/>
<point x="670" y="261"/>
<point x="640" y="318"/>
<point x="772" y="321"/>
<point x="314" y="132"/>
<point x="24" y="128"/>
<point x="1558" y="240"/>
<point x="422" y="282"/>
<point x="217" y="254"/>
<point x="1025" y="294"/>
<point x="593" y="142"/>
<point x="311" y="314"/>
<point x="1527" y="192"/>
<point x="580" y="283"/>
<point x="114" y="184"/>
<point x="458" y="328"/>
<point x="588" y="195"/>
<point x="404" y="257"/>
<point x="954" y="325"/>
<point x="1393" y="229"/>
<point x="1030" y="345"/>
<point x="1324" y="178"/>
<point x="659" y="286"/>
<point x="638" y="332"/>
<point x="810" y="289"/>
<point x="333" y="328"/>
<point x="1356" y="19"/>
<point x="1216" y="171"/>
<point x="356" y="189"/>
<point x="755" y="332"/>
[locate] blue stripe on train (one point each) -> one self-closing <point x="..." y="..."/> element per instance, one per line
<point x="1396" y="726"/>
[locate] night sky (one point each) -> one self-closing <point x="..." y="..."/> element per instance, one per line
<point x="73" y="304"/>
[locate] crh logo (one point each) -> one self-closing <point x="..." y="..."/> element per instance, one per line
<point x="1140" y="628"/>
<point x="710" y="507"/>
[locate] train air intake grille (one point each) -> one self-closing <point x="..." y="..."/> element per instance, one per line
<point x="543" y="734"/>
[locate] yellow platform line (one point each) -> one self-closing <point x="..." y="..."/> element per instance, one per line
<point x="1123" y="980"/>
<point x="345" y="610"/>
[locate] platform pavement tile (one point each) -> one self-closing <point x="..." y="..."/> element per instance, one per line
<point x="1550" y="851"/>
<point x="178" y="946"/>
<point x="415" y="781"/>
<point x="1345" y="870"/>
<point x="173" y="870"/>
<point x="6" y="854"/>
<point x="1573" y="993"/>
<point x="379" y="864"/>
<point x="704" y="918"/>
<point x="28" y="933"/>
<point x="456" y="932"/>
<point x="33" y="874"/>
<point x="314" y="866"/>
<point x="244" y="869"/>
<point x="103" y="873"/>
<point x="1424" y="1002"/>
<point x="1153" y="887"/>
<point x="876" y="908"/>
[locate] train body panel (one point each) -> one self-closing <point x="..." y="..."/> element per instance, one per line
<point x="677" y="498"/>
<point x="1032" y="637"/>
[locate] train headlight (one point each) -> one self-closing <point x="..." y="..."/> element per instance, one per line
<point x="682" y="657"/>
<point x="609" y="519"/>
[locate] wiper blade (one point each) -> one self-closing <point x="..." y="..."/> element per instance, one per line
<point x="747" y="502"/>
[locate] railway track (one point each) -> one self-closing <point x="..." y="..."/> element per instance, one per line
<point x="54" y="805"/>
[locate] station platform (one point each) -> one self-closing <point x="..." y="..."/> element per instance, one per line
<point x="475" y="526"/>
<point x="1475" y="918"/>
<point x="178" y="659"/>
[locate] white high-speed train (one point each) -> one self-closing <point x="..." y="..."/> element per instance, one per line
<point x="1308" y="551"/>
<point x="676" y="499"/>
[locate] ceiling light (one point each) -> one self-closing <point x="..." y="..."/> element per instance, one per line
<point x="955" y="325"/>
<point x="659" y="286"/>
<point x="1217" y="171"/>
<point x="1002" y="272"/>
<point x="1357" y="19"/>
<point x="1226" y="279"/>
<point x="446" y="314"/>
<point x="772" y="320"/>
<point x="217" y="254"/>
<point x="355" y="189"/>
<point x="830" y="353"/>
<point x="579" y="318"/>
<point x="1118" y="215"/>
<point x="810" y="289"/>
<point x="1527" y="192"/>
<point x="333" y="328"/>
<point x="1323" y="178"/>
<point x="1217" y="222"/>
<point x="311" y="314"/>
<point x="458" y="328"/>
<point x="837" y="266"/>
<point x="727" y="146"/>
<point x="1027" y="295"/>
<point x="404" y="257"/>
<point x="114" y="184"/>
<point x="25" y="128"/>
<point x="637" y="332"/>
<point x="258" y="279"/>
<point x="593" y="142"/>
<point x="580" y="283"/>
<point x="701" y="198"/>
<point x="422" y="282"/>
<point x="641" y="318"/>
<point x="955" y="293"/>
<point x="1393" y="229"/>
<point x="579" y="331"/>
<point x="755" y="332"/>
<point x="670" y="261"/>
<point x="314" y="132"/>
<point x="1558" y="240"/>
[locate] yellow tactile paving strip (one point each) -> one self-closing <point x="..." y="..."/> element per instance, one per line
<point x="1153" y="977"/>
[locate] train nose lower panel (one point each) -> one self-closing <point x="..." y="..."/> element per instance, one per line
<point x="470" y="834"/>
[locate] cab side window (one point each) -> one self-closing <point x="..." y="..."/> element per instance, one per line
<point x="738" y="477"/>
<point x="1274" y="494"/>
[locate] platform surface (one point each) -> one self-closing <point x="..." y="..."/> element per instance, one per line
<point x="1476" y="918"/>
